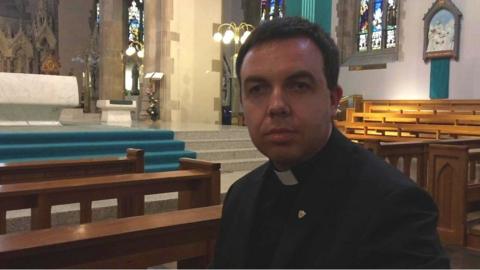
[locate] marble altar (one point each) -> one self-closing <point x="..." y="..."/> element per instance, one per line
<point x="34" y="99"/>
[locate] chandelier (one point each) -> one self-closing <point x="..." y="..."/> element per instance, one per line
<point x="228" y="32"/>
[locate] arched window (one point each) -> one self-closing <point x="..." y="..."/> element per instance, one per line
<point x="135" y="46"/>
<point x="97" y="5"/>
<point x="368" y="31"/>
<point x="377" y="25"/>
<point x="270" y="9"/>
<point x="135" y="24"/>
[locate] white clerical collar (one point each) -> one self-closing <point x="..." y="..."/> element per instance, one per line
<point x="286" y="177"/>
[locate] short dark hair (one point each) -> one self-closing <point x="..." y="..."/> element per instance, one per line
<point x="291" y="27"/>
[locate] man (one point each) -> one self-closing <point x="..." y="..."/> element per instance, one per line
<point x="321" y="201"/>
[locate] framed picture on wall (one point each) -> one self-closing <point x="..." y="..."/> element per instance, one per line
<point x="442" y="31"/>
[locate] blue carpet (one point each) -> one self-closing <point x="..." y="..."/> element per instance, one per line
<point x="162" y="152"/>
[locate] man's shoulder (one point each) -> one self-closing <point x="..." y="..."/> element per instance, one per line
<point x="253" y="177"/>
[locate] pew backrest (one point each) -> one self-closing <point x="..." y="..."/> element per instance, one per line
<point x="201" y="185"/>
<point x="19" y="172"/>
<point x="135" y="242"/>
<point x="415" y="152"/>
<point x="435" y="106"/>
<point x="27" y="172"/>
<point x="398" y="120"/>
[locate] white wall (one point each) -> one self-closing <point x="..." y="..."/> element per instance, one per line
<point x="194" y="86"/>
<point x="409" y="78"/>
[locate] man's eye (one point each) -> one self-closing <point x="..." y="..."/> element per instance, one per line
<point x="256" y="90"/>
<point x="299" y="86"/>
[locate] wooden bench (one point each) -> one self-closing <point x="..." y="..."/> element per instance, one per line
<point x="11" y="173"/>
<point x="456" y="193"/>
<point x="18" y="172"/>
<point x="352" y="101"/>
<point x="469" y="106"/>
<point x="379" y="137"/>
<point x="413" y="154"/>
<point x="412" y="125"/>
<point x="404" y="120"/>
<point x="135" y="242"/>
<point x="198" y="184"/>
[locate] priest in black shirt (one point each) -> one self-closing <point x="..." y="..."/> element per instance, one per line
<point x="321" y="201"/>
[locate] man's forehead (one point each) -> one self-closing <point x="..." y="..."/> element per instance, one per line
<point x="289" y="55"/>
<point x="299" y="42"/>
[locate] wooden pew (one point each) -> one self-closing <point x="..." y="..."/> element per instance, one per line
<point x="11" y="173"/>
<point x="60" y="169"/>
<point x="134" y="242"/>
<point x="352" y="101"/>
<point x="417" y="118"/>
<point x="410" y="125"/>
<point x="455" y="192"/>
<point x="469" y="106"/>
<point x="413" y="153"/>
<point x="198" y="185"/>
<point x="371" y="137"/>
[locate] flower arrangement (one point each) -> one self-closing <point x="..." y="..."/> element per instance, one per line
<point x="152" y="107"/>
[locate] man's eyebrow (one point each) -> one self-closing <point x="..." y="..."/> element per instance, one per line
<point x="254" y="79"/>
<point x="301" y="74"/>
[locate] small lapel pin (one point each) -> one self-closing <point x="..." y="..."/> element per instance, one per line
<point x="301" y="214"/>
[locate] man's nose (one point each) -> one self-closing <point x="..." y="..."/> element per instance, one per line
<point x="278" y="103"/>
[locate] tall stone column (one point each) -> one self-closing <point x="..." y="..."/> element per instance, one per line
<point x="112" y="45"/>
<point x="158" y="15"/>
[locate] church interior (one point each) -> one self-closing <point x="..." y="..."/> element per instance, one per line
<point x="121" y="120"/>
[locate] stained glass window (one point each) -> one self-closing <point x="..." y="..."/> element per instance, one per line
<point x="98" y="11"/>
<point x="377" y="25"/>
<point x="270" y="9"/>
<point x="377" y="30"/>
<point x="363" y="25"/>
<point x="391" y="24"/>
<point x="280" y="7"/>
<point x="135" y="24"/>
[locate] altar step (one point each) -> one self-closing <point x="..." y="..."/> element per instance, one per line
<point x="162" y="151"/>
<point x="230" y="154"/>
<point x="76" y="115"/>
<point x="232" y="147"/>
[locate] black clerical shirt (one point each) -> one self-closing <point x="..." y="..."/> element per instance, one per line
<point x="274" y="209"/>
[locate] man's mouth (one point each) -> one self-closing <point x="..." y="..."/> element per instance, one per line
<point x="280" y="135"/>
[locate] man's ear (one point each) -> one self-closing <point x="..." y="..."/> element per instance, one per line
<point x="335" y="96"/>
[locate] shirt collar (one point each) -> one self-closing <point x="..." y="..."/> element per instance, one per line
<point x="286" y="177"/>
<point x="302" y="170"/>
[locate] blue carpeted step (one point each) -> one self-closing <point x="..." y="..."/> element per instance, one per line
<point x="83" y="136"/>
<point x="86" y="148"/>
<point x="169" y="158"/>
<point x="162" y="152"/>
<point x="162" y="167"/>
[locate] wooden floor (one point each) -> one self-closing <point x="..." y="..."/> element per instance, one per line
<point x="461" y="258"/>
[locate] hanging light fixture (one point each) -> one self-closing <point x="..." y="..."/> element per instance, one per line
<point x="228" y="32"/>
